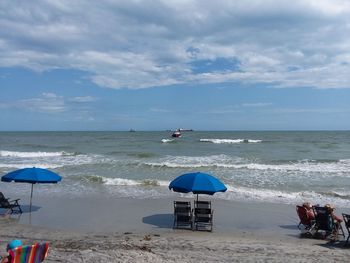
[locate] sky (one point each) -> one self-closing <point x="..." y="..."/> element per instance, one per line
<point x="164" y="64"/>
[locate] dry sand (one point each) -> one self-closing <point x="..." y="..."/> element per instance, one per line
<point x="242" y="233"/>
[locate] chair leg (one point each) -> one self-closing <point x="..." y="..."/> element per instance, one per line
<point x="342" y="231"/>
<point x="19" y="207"/>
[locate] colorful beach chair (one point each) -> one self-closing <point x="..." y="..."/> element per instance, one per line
<point x="29" y="254"/>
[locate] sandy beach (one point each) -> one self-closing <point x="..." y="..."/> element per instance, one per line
<point x="134" y="230"/>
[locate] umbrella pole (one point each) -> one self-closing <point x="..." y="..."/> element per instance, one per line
<point x="31" y="196"/>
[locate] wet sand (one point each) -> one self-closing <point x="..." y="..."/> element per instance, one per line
<point x="96" y="229"/>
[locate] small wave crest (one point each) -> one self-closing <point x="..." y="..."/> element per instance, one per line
<point x="279" y="196"/>
<point x="20" y="160"/>
<point x="194" y="161"/>
<point x="34" y="154"/>
<point x="341" y="195"/>
<point x="130" y="182"/>
<point x="97" y="179"/>
<point x="92" y="179"/>
<point x="237" y="163"/>
<point x="142" y="155"/>
<point x="228" y="141"/>
<point x="167" y="140"/>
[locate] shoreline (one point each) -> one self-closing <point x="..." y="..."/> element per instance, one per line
<point x="134" y="230"/>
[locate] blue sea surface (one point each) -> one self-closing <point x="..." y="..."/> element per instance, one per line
<point x="264" y="166"/>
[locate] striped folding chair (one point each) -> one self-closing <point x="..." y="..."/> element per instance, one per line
<point x="29" y="254"/>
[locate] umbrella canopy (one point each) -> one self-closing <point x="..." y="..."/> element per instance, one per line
<point x="32" y="176"/>
<point x="197" y="183"/>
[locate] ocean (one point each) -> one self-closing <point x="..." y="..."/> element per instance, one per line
<point x="266" y="166"/>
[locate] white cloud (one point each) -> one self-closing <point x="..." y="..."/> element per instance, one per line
<point x="159" y="110"/>
<point x="308" y="110"/>
<point x="51" y="103"/>
<point x="83" y="99"/>
<point x="141" y="44"/>
<point x="257" y="104"/>
<point x="48" y="103"/>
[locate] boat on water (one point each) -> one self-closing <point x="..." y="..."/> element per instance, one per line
<point x="176" y="134"/>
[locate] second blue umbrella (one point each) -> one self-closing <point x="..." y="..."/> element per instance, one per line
<point x="197" y="183"/>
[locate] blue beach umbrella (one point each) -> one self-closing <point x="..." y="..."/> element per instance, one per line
<point x="32" y="176"/>
<point x="197" y="183"/>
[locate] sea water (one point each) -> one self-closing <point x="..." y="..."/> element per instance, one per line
<point x="271" y="166"/>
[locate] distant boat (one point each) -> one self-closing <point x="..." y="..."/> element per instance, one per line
<point x="176" y="134"/>
<point x="131" y="130"/>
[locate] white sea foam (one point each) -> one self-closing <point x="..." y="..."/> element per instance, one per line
<point x="193" y="161"/>
<point x="26" y="165"/>
<point x="221" y="141"/>
<point x="157" y="188"/>
<point x="167" y="140"/>
<point x="237" y="163"/>
<point x="277" y="196"/>
<point x="48" y="160"/>
<point x="302" y="166"/>
<point x="32" y="154"/>
<point x="130" y="182"/>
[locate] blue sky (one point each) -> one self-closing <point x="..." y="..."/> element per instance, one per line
<point x="156" y="65"/>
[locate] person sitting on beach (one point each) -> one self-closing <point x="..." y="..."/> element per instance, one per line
<point x="309" y="211"/>
<point x="10" y="246"/>
<point x="336" y="220"/>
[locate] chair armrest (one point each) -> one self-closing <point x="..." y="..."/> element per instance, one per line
<point x="14" y="202"/>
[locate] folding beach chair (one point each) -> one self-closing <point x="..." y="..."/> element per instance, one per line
<point x="29" y="254"/>
<point x="203" y="215"/>
<point x="305" y="220"/>
<point x="182" y="214"/>
<point x="202" y="204"/>
<point x="347" y="226"/>
<point x="13" y="205"/>
<point x="325" y="222"/>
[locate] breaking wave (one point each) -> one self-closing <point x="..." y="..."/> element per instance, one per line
<point x="224" y="161"/>
<point x="34" y="154"/>
<point x="276" y="196"/>
<point x="193" y="161"/>
<point x="167" y="140"/>
<point x="121" y="181"/>
<point x="221" y="141"/>
<point x="16" y="159"/>
<point x="156" y="188"/>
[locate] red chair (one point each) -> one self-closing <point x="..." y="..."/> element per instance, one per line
<point x="305" y="219"/>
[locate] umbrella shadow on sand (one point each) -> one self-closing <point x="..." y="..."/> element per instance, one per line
<point x="159" y="220"/>
<point x="27" y="209"/>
